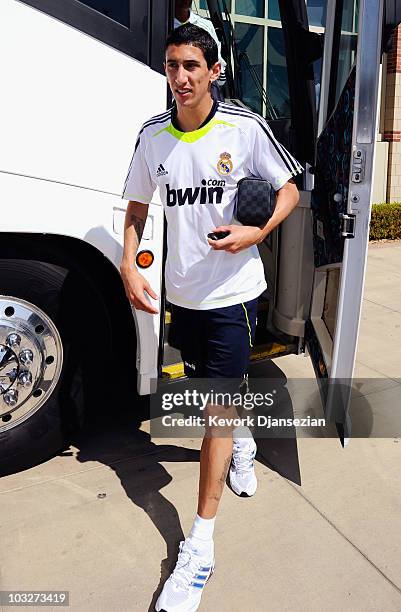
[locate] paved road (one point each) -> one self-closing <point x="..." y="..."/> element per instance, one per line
<point x="331" y="544"/>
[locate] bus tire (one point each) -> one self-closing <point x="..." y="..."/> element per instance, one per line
<point x="41" y="397"/>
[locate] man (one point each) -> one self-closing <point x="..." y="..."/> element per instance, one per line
<point x="184" y="14"/>
<point x="196" y="153"/>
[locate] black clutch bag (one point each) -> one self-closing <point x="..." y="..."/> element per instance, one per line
<point x="256" y="201"/>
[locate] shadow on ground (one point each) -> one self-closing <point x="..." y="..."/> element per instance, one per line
<point x="118" y="442"/>
<point x="137" y="462"/>
<point x="280" y="454"/>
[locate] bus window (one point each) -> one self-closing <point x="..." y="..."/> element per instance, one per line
<point x="348" y="42"/>
<point x="202" y="4"/>
<point x="317" y="71"/>
<point x="249" y="39"/>
<point x="273" y="10"/>
<point x="118" y="10"/>
<point x="122" y="24"/>
<point x="316" y="12"/>
<point x="344" y="49"/>
<point x="251" y="8"/>
<point x="277" y="77"/>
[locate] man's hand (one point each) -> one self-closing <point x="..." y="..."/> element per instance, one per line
<point x="241" y="237"/>
<point x="135" y="287"/>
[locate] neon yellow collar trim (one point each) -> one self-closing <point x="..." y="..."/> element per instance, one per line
<point x="195" y="134"/>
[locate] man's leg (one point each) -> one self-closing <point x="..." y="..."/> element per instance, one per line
<point x="232" y="331"/>
<point x="215" y="353"/>
<point x="215" y="459"/>
<point x="183" y="589"/>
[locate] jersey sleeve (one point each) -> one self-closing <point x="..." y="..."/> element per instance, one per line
<point x="139" y="185"/>
<point x="268" y="159"/>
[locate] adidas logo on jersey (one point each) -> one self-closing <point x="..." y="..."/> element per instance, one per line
<point x="161" y="171"/>
<point x="211" y="192"/>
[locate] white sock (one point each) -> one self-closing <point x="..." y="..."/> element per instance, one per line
<point x="201" y="533"/>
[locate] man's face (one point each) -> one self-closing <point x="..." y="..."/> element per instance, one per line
<point x="188" y="74"/>
<point x="181" y="5"/>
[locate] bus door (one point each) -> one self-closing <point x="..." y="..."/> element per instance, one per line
<point x="341" y="197"/>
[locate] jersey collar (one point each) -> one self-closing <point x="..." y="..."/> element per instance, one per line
<point x="191" y="137"/>
<point x="210" y="116"/>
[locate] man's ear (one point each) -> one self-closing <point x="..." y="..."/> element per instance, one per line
<point x="215" y="72"/>
<point x="165" y="67"/>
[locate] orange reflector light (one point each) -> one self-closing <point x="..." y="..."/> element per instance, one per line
<point x="144" y="259"/>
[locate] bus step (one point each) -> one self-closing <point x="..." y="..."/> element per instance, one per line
<point x="259" y="353"/>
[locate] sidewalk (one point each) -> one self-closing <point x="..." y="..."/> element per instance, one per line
<point x="331" y="544"/>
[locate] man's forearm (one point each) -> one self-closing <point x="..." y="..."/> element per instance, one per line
<point x="287" y="200"/>
<point x="135" y="219"/>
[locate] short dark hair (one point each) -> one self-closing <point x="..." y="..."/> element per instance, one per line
<point x="190" y="34"/>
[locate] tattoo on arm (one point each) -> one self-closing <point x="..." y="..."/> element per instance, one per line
<point x="223" y="476"/>
<point x="139" y="225"/>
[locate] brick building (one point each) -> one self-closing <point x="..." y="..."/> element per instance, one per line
<point x="391" y="109"/>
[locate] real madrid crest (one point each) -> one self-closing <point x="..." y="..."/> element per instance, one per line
<point x="224" y="165"/>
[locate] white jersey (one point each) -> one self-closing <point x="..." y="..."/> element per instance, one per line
<point x="197" y="174"/>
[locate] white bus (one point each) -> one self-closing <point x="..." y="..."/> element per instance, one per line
<point x="78" y="80"/>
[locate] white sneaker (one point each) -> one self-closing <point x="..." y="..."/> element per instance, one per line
<point x="182" y="591"/>
<point x="242" y="471"/>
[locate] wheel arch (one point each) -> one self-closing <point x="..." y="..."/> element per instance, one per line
<point x="90" y="265"/>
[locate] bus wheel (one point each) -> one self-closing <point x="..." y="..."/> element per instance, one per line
<point x="41" y="399"/>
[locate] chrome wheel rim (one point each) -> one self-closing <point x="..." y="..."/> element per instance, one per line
<point x="31" y="358"/>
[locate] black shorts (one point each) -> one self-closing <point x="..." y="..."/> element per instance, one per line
<point x="214" y="343"/>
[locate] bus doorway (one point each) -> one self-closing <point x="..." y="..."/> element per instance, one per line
<point x="315" y="262"/>
<point x="281" y="316"/>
